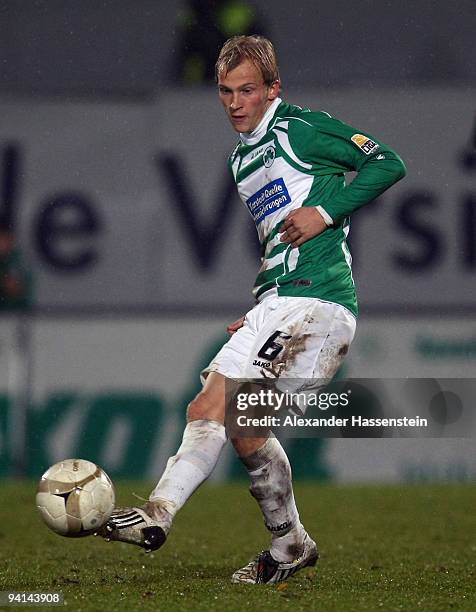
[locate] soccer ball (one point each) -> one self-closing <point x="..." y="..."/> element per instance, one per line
<point x="75" y="497"/>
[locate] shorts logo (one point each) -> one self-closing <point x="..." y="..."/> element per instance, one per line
<point x="367" y="145"/>
<point x="268" y="199"/>
<point x="269" y="156"/>
<point x="261" y="364"/>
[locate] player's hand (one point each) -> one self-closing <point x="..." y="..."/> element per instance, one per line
<point x="234" y="327"/>
<point x="301" y="225"/>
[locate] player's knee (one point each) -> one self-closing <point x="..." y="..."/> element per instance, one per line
<point x="247" y="446"/>
<point x="202" y="407"/>
<point x="197" y="409"/>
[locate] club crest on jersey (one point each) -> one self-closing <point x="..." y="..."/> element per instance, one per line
<point x="269" y="156"/>
<point x="367" y="145"/>
<point x="268" y="200"/>
<point x="251" y="157"/>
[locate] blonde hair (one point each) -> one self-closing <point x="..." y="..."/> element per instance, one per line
<point x="257" y="49"/>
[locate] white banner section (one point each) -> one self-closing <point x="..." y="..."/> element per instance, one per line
<point x="132" y="205"/>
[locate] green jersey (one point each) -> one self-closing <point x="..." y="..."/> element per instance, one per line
<point x="296" y="158"/>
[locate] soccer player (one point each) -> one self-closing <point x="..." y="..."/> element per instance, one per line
<point x="289" y="168"/>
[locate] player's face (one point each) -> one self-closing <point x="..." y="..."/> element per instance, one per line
<point x="245" y="96"/>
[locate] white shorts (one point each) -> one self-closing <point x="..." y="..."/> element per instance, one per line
<point x="287" y="337"/>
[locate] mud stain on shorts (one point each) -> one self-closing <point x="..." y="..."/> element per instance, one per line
<point x="330" y="359"/>
<point x="293" y="347"/>
<point x="344" y="349"/>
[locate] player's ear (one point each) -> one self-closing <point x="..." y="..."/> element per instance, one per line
<point x="273" y="90"/>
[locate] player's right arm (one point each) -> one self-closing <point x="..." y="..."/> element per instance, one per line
<point x="301" y="225"/>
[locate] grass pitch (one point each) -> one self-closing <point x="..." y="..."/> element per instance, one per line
<point x="382" y="548"/>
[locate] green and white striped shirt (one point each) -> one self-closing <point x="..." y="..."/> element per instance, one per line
<point x="296" y="158"/>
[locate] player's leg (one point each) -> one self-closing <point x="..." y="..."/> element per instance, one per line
<point x="271" y="485"/>
<point x="202" y="442"/>
<point x="326" y="329"/>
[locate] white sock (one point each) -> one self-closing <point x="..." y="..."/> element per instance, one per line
<point x="198" y="454"/>
<point x="271" y="486"/>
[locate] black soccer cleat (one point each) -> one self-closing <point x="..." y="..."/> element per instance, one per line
<point x="266" y="570"/>
<point x="134" y="526"/>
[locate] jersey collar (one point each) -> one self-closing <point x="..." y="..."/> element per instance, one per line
<point x="260" y="130"/>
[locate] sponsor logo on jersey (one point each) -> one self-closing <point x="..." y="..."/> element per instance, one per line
<point x="268" y="200"/>
<point x="367" y="145"/>
<point x="268" y="156"/>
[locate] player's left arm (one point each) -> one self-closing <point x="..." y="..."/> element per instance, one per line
<point x="378" y="167"/>
<point x="342" y="148"/>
